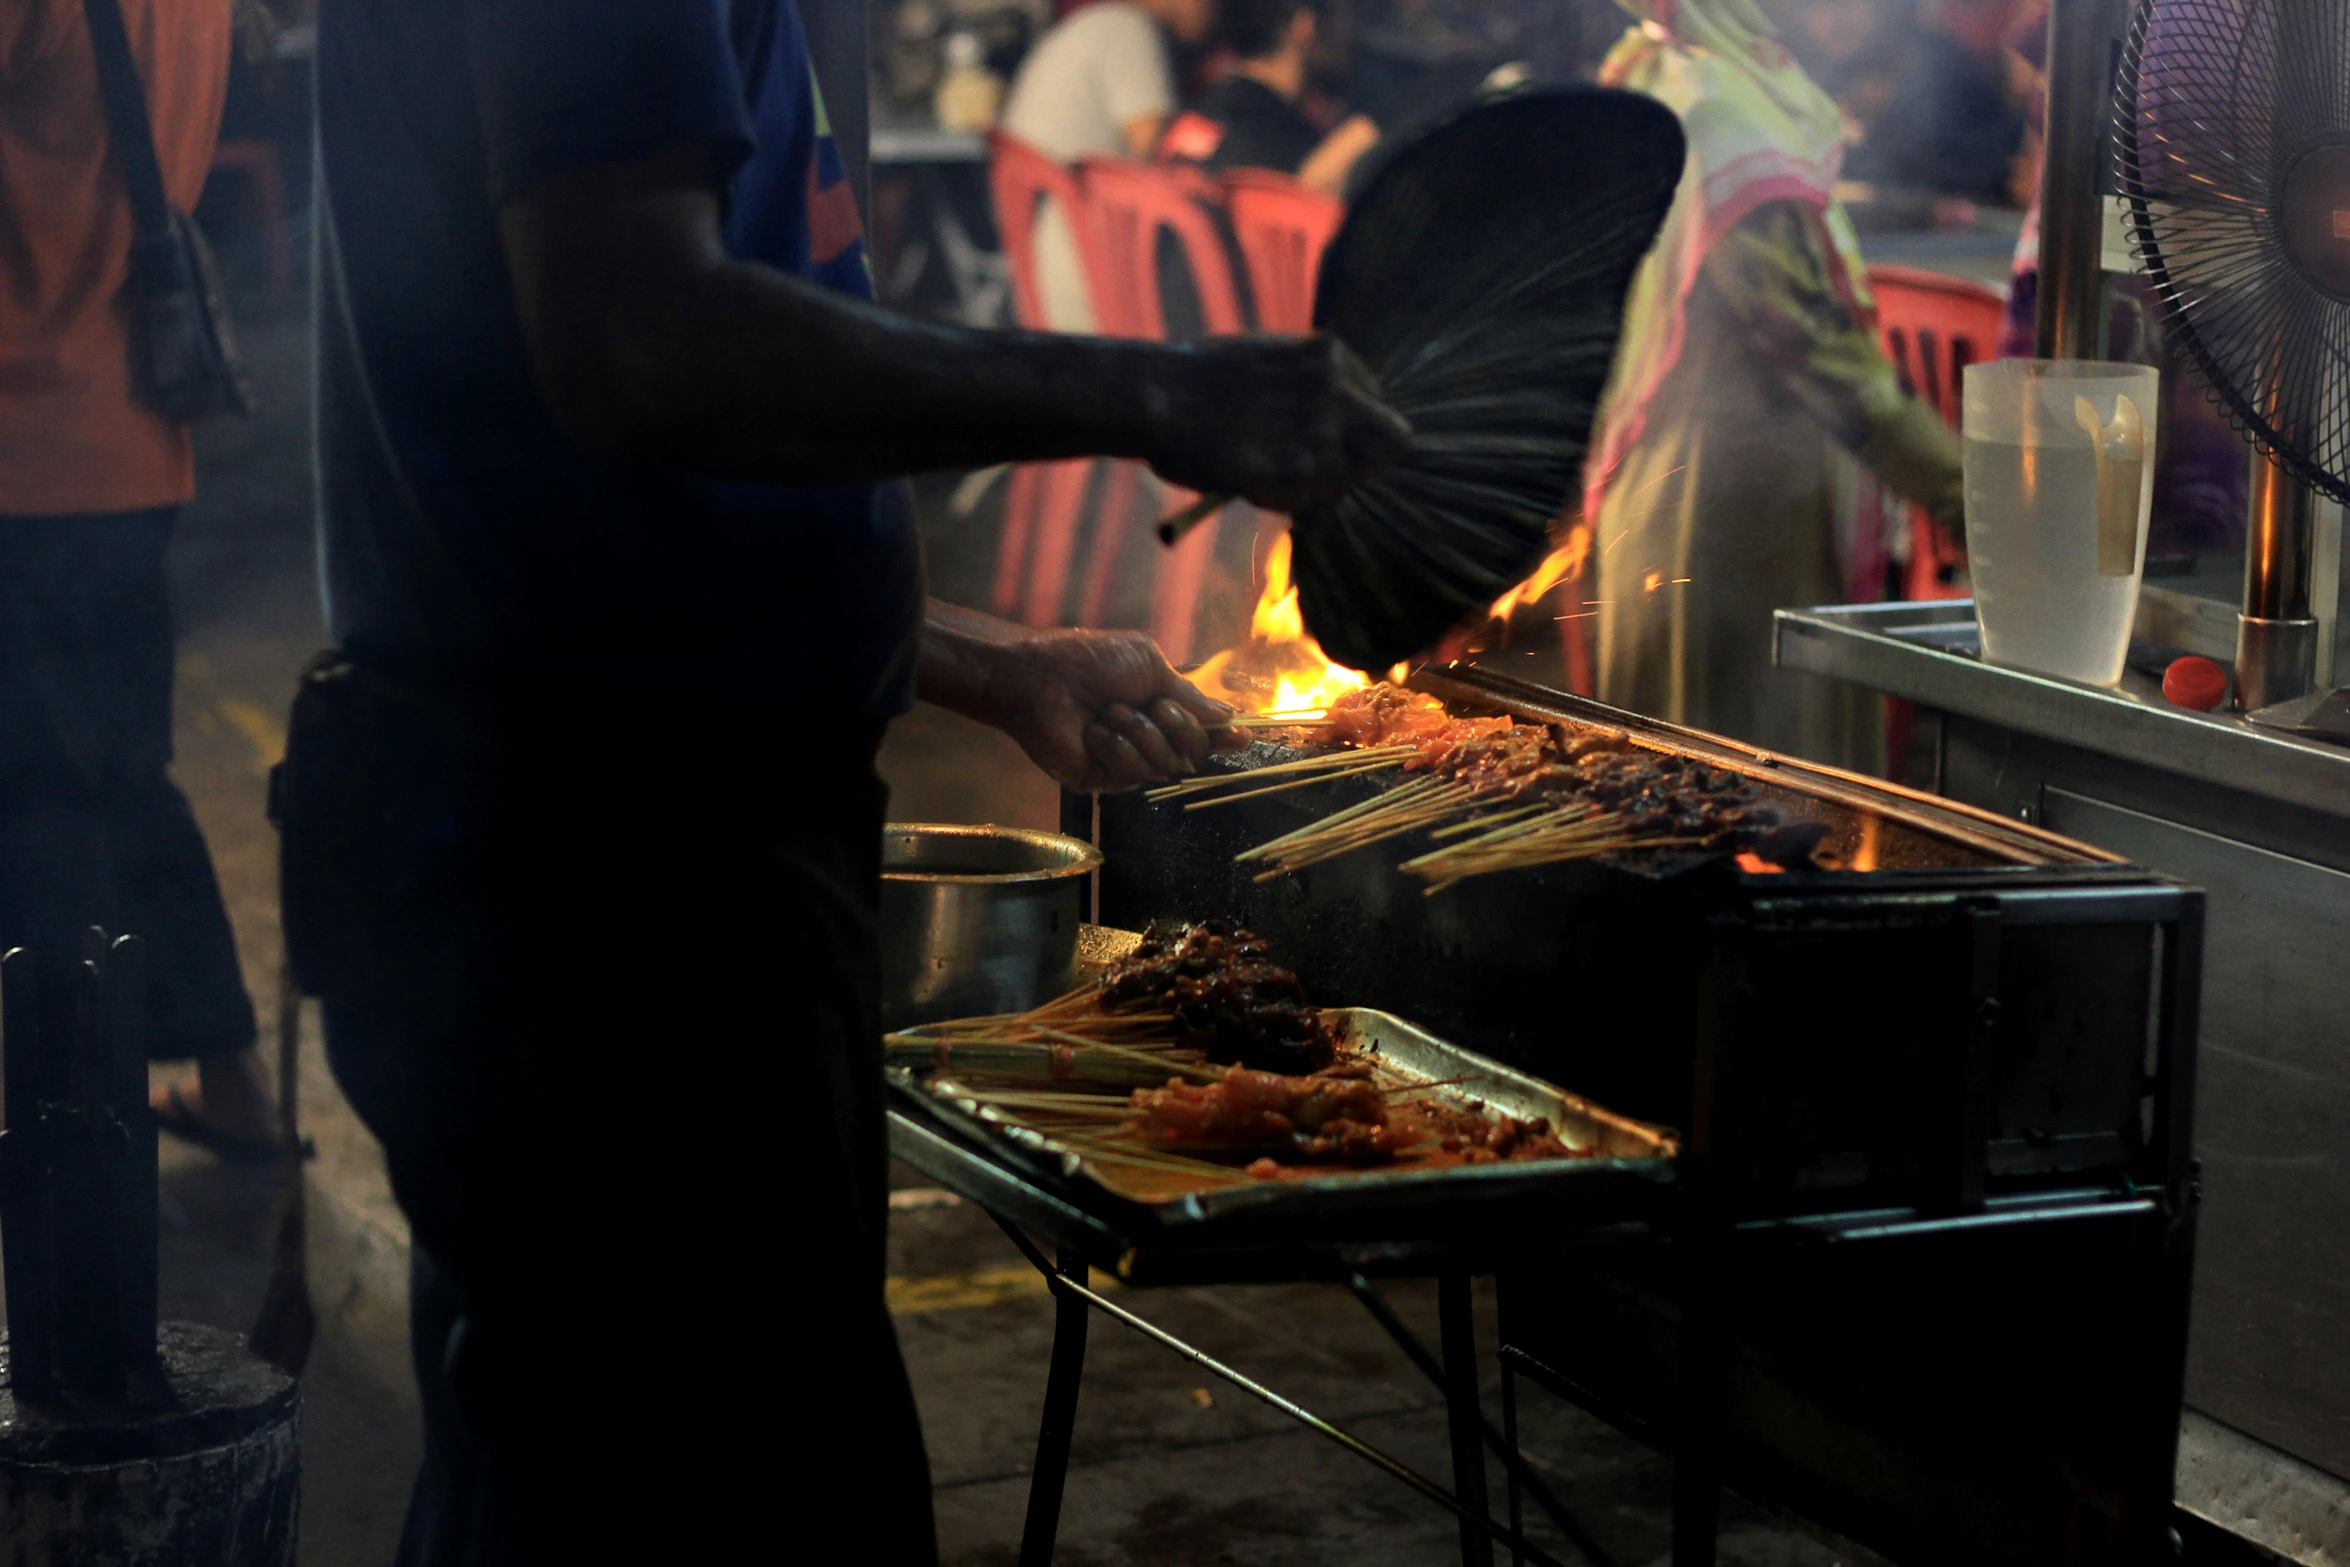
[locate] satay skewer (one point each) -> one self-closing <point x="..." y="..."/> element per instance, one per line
<point x="1310" y="764"/>
<point x="1446" y="799"/>
<point x="1392" y="798"/>
<point x="1291" y="783"/>
<point x="1312" y="720"/>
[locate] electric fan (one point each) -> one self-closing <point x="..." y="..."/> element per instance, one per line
<point x="2233" y="131"/>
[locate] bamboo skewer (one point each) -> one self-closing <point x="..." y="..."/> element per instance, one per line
<point x="1476" y="823"/>
<point x="1397" y="814"/>
<point x="1559" y="856"/>
<point x="1164" y="1059"/>
<point x="1291" y="783"/>
<point x="1311" y="720"/>
<point x="1056" y="1104"/>
<point x="1200" y="1073"/>
<point x="1546" y="822"/>
<point x="1392" y="798"/>
<point x="1308" y="764"/>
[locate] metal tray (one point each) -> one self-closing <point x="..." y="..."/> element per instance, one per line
<point x="949" y="1137"/>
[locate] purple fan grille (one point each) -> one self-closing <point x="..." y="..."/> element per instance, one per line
<point x="2217" y="101"/>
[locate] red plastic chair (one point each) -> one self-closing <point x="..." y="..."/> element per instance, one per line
<point x="1283" y="228"/>
<point x="1129" y="205"/>
<point x="1932" y="327"/>
<point x="1042" y="501"/>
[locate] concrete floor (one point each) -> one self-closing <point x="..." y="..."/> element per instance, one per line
<point x="1170" y="1467"/>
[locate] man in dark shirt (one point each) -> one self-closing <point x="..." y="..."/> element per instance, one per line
<point x="1254" y="118"/>
<point x="582" y="827"/>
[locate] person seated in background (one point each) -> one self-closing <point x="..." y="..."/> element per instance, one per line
<point x="1255" y="118"/>
<point x="1101" y="82"/>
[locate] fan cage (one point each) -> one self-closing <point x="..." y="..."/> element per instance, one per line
<point x="2211" y="56"/>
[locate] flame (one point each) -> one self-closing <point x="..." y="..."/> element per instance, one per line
<point x="1279" y="669"/>
<point x="1864" y="856"/>
<point x="1755" y="865"/>
<point x="1564" y="564"/>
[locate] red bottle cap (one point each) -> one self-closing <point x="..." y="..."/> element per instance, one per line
<point x="2195" y="682"/>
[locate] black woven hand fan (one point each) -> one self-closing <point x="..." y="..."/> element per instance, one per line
<point x="1482" y="274"/>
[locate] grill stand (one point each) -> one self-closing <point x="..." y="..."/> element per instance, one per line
<point x="1457" y="1377"/>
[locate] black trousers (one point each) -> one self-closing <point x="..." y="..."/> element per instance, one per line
<point x="92" y="829"/>
<point x="602" y="977"/>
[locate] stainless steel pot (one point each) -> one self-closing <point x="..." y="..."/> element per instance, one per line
<point x="977" y="920"/>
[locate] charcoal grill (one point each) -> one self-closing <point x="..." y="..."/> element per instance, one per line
<point x="1924" y="1273"/>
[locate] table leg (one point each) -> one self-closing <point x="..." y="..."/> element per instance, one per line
<point x="1051" y="1473"/>
<point x="1509" y="1435"/>
<point x="1503" y="1444"/>
<point x="1457" y="1331"/>
<point x="1697" y="1445"/>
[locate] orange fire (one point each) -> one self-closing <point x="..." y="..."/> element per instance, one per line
<point x="1279" y="669"/>
<point x="1864" y="856"/>
<point x="1564" y="564"/>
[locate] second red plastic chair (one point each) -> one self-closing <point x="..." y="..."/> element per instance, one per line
<point x="1042" y="501"/>
<point x="1282" y="229"/>
<point x="1129" y="206"/>
<point x="1932" y="327"/>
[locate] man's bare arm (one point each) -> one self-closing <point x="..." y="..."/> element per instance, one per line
<point x="651" y="342"/>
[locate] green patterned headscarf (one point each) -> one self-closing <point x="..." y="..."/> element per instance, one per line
<point x="1759" y="131"/>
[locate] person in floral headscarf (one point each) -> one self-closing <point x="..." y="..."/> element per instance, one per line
<point x="1747" y="397"/>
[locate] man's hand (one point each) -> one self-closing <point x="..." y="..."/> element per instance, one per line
<point x="1285" y="422"/>
<point x="1098" y="710"/>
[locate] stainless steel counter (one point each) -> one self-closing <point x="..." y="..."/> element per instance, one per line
<point x="2261" y="821"/>
<point x="1927" y="652"/>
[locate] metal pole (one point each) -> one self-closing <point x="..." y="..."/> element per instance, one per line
<point x="2276" y="635"/>
<point x="2084" y="51"/>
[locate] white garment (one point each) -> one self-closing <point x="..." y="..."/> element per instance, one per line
<point x="1060" y="273"/>
<point x="1101" y="69"/>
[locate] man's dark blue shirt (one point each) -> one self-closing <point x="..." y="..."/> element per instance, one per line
<point x="464" y="535"/>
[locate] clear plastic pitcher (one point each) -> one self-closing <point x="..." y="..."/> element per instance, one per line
<point x="2059" y="474"/>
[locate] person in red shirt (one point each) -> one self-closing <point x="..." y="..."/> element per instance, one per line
<point x="92" y="829"/>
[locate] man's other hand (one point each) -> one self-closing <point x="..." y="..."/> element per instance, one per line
<point x="1284" y="422"/>
<point x="1098" y="710"/>
<point x="1102" y="710"/>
